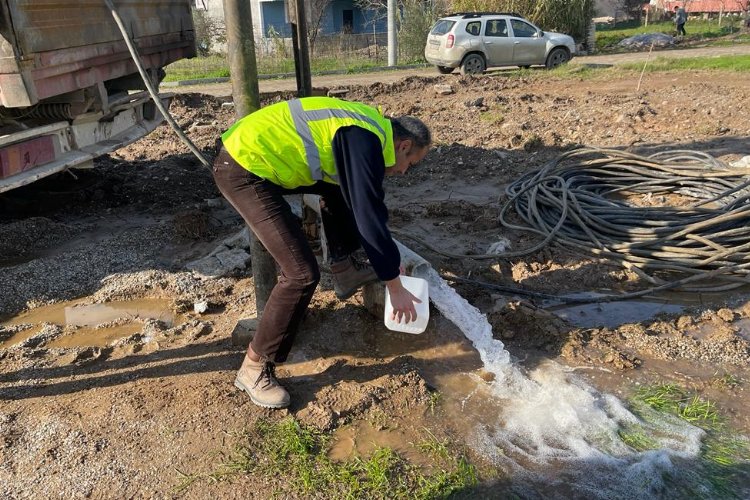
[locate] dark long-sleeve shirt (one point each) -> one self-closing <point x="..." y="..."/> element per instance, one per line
<point x="358" y="154"/>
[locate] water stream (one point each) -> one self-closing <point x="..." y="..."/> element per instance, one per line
<point x="553" y="421"/>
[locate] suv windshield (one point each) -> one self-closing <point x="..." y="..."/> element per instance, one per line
<point x="442" y="27"/>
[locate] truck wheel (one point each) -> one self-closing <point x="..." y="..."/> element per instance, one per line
<point x="444" y="70"/>
<point x="557" y="57"/>
<point x="473" y="63"/>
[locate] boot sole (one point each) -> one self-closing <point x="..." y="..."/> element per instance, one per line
<point x="351" y="292"/>
<point x="239" y="385"/>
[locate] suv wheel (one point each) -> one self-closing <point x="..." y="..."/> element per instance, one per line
<point x="473" y="63"/>
<point x="557" y="57"/>
<point x="444" y="70"/>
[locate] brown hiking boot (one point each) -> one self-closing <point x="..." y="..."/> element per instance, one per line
<point x="349" y="275"/>
<point x="258" y="380"/>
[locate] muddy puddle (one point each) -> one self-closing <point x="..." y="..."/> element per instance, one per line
<point x="84" y="325"/>
<point x="619" y="312"/>
<point x="614" y="314"/>
<point x="362" y="439"/>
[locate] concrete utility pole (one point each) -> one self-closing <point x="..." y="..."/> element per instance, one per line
<point x="238" y="18"/>
<point x="392" y="39"/>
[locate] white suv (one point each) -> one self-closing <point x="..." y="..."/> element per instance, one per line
<point x="475" y="41"/>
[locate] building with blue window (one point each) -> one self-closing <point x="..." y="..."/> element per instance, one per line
<point x="338" y="16"/>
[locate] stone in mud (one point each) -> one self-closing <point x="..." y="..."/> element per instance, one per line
<point x="443" y="89"/>
<point x="244" y="331"/>
<point x="233" y="259"/>
<point x="82" y="356"/>
<point x="621" y="361"/>
<point x="48" y="332"/>
<point x="685" y="322"/>
<point x="338" y="93"/>
<point x="317" y="416"/>
<point x="507" y="334"/>
<point x="200" y="329"/>
<point x="475" y="103"/>
<point x="725" y="314"/>
<point x="222" y="264"/>
<point x="239" y="240"/>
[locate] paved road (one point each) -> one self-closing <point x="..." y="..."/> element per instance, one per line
<point x="225" y="89"/>
<point x="734" y="50"/>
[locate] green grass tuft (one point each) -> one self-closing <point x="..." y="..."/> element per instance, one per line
<point x="669" y="398"/>
<point x="638" y="440"/>
<point x="293" y="458"/>
<point x="720" y="63"/>
<point x="724" y="455"/>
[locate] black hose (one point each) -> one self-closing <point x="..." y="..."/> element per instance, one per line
<point x="150" y="86"/>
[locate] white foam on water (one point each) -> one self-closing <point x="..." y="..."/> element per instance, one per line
<point x="552" y="420"/>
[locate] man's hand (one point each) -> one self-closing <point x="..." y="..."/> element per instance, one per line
<point x="402" y="301"/>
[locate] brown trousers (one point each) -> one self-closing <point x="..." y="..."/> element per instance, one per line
<point x="269" y="216"/>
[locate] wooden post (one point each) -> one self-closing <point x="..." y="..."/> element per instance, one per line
<point x="295" y="54"/>
<point x="238" y="18"/>
<point x="298" y="20"/>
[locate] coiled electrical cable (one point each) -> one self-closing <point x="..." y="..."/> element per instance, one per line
<point x="584" y="200"/>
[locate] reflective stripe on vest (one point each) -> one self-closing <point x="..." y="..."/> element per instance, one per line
<point x="302" y="118"/>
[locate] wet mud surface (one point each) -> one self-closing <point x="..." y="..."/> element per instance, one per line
<point x="118" y="418"/>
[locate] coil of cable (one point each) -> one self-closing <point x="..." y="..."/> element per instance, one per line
<point x="602" y="202"/>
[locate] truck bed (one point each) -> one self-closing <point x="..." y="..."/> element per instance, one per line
<point x="52" y="47"/>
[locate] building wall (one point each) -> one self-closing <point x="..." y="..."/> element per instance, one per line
<point x="272" y="13"/>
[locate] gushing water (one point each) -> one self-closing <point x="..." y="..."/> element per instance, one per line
<point x="554" y="421"/>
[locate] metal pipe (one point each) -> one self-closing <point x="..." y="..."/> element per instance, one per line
<point x="392" y="38"/>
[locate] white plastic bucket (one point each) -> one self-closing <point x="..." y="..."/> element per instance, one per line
<point x="419" y="288"/>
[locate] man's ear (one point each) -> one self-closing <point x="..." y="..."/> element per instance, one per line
<point x="405" y="146"/>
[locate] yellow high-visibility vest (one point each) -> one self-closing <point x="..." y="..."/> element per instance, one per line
<point x="290" y="143"/>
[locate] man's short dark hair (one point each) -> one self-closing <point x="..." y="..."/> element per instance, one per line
<point x="411" y="127"/>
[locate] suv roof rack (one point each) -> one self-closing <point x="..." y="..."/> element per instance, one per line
<point x="468" y="15"/>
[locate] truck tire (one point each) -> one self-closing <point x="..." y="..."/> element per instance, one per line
<point x="557" y="57"/>
<point x="444" y="70"/>
<point x="473" y="63"/>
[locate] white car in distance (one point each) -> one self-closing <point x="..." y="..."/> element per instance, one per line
<point x="475" y="41"/>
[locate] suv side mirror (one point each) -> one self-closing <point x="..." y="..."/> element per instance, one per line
<point x="540" y="34"/>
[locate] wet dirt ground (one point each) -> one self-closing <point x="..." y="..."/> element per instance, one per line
<point x="119" y="418"/>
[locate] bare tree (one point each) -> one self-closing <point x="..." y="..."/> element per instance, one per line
<point x="378" y="9"/>
<point x="315" y="16"/>
<point x="208" y="31"/>
<point x="413" y="18"/>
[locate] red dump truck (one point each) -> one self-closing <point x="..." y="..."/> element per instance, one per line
<point x="69" y="88"/>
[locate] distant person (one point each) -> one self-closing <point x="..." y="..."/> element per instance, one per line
<point x="341" y="151"/>
<point x="680" y="18"/>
